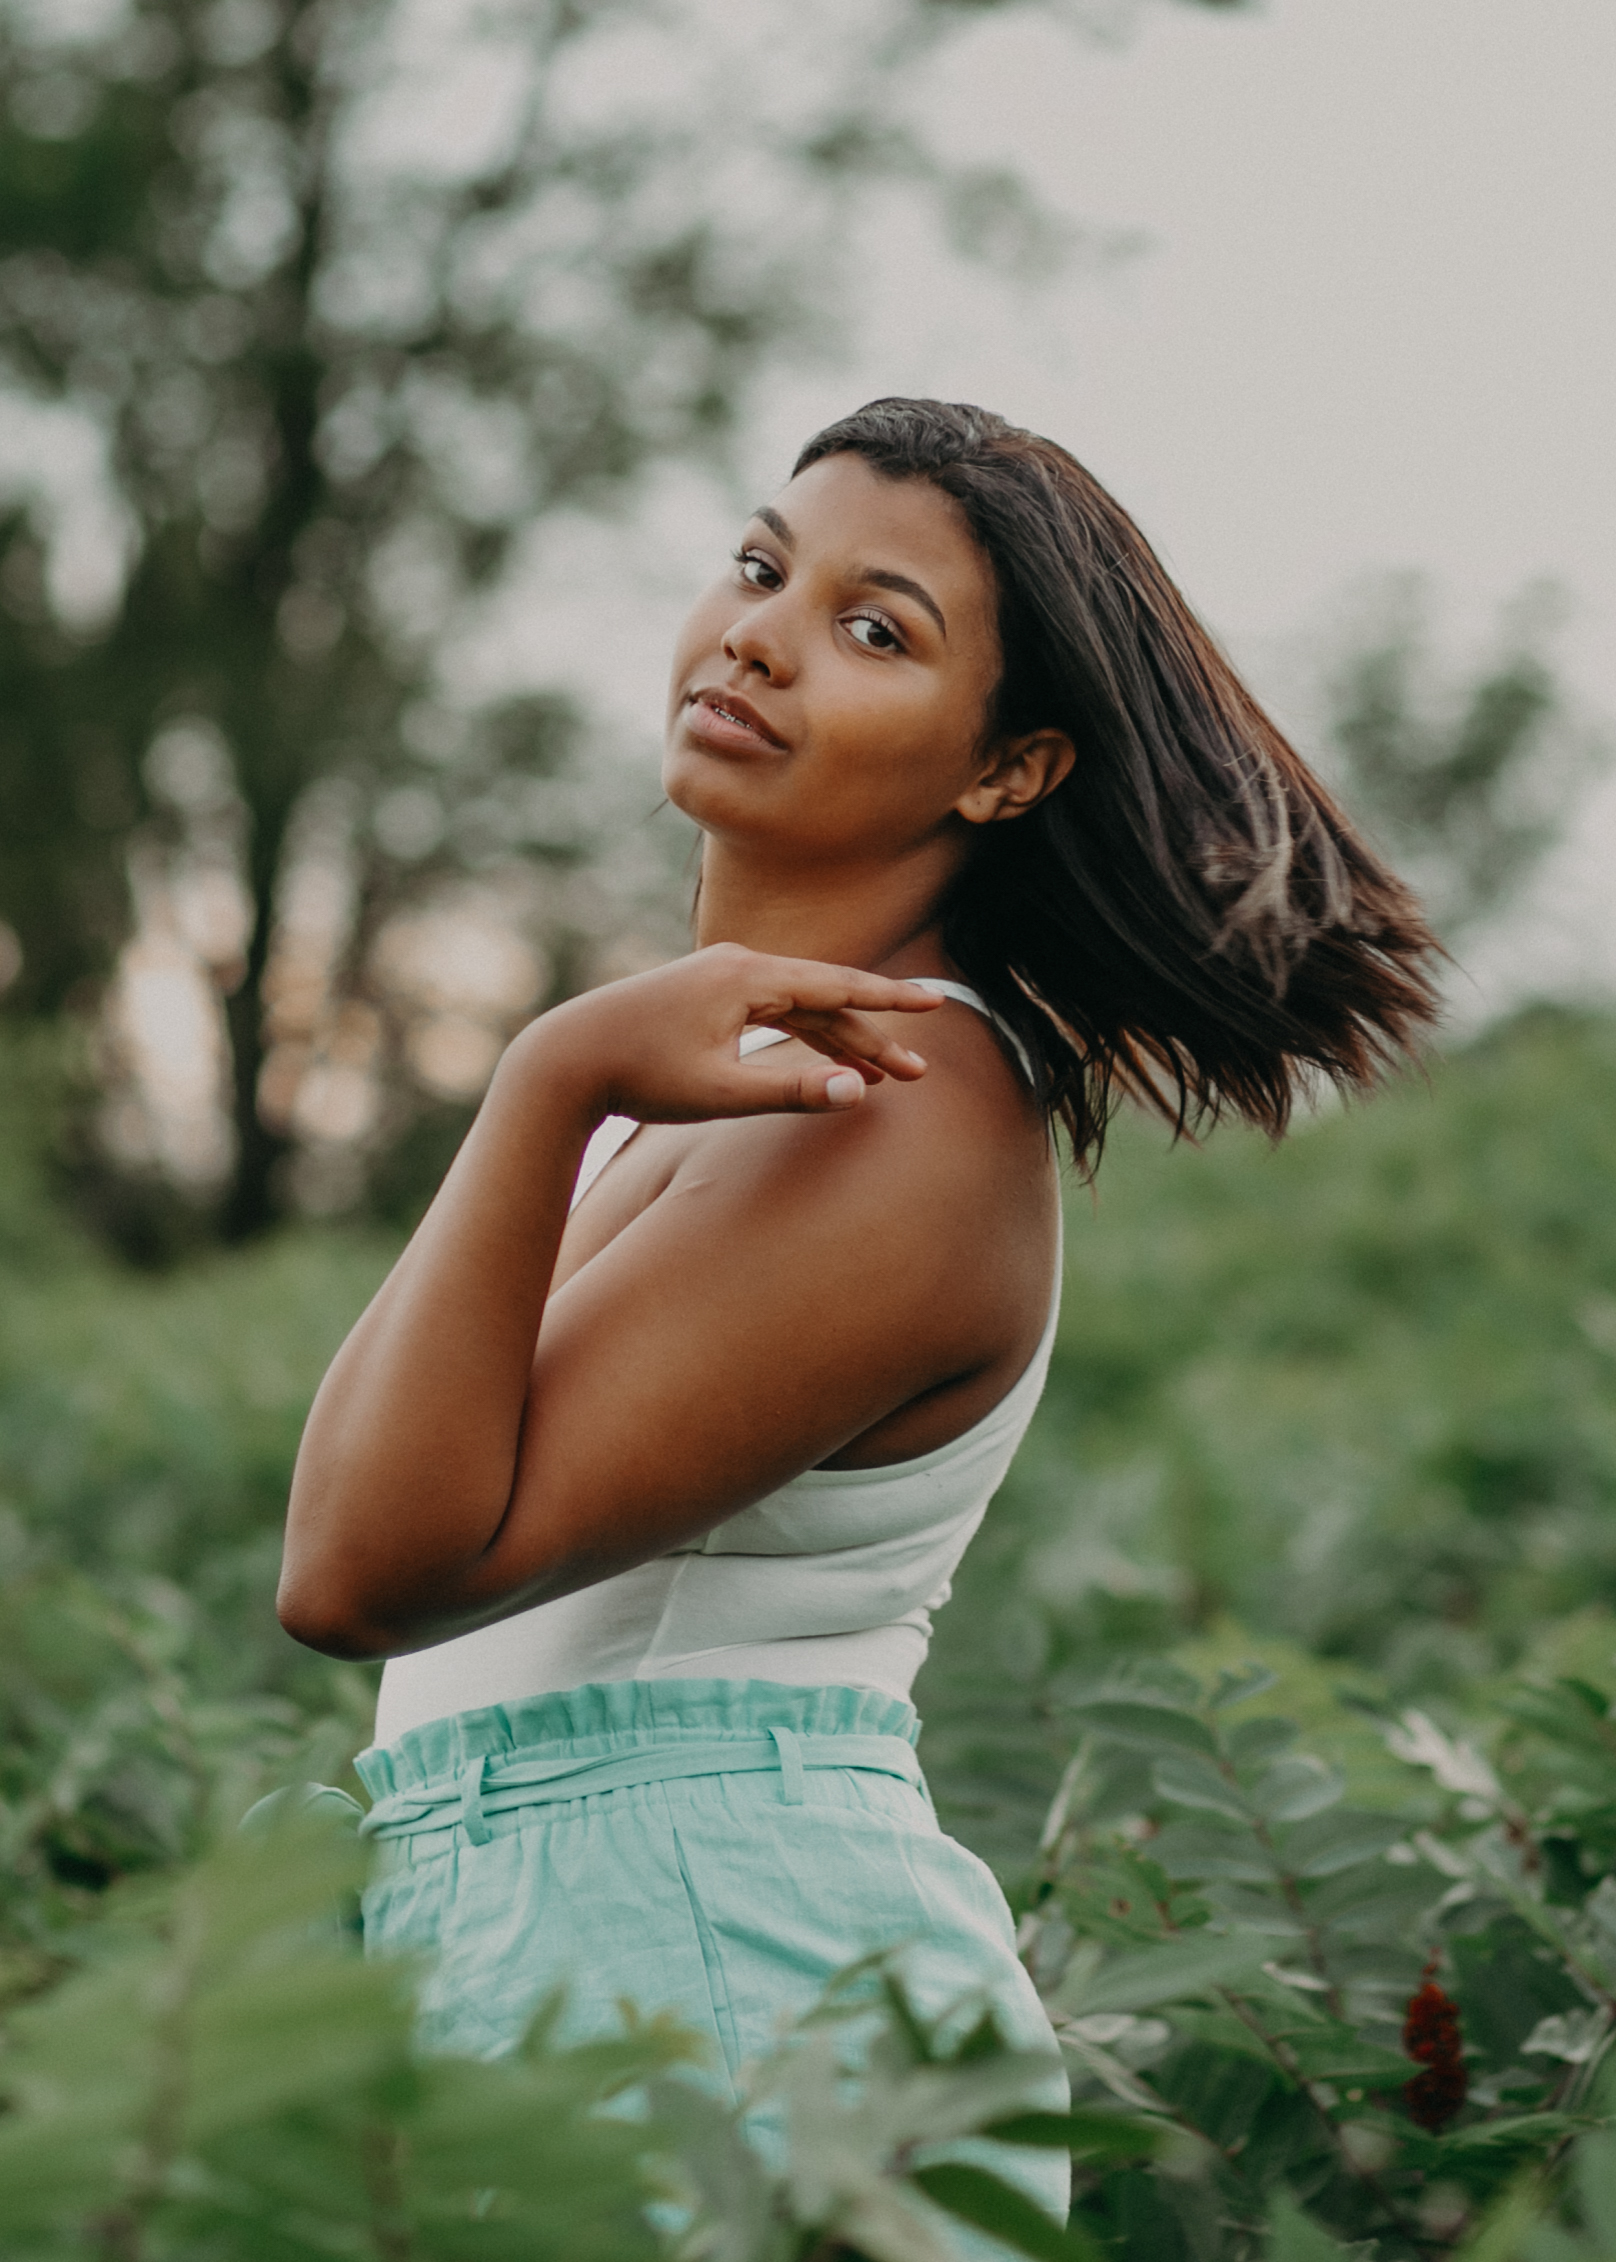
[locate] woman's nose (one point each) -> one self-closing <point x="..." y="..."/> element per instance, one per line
<point x="754" y="642"/>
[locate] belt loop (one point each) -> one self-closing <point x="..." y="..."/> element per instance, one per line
<point x="472" y="1818"/>
<point x="790" y="1751"/>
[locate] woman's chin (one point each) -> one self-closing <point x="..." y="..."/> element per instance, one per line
<point x="719" y="795"/>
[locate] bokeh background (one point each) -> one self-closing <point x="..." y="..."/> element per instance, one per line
<point x="378" y="381"/>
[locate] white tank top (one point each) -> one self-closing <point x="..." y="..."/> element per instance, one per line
<point x="829" y="1582"/>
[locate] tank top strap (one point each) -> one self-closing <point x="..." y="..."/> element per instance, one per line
<point x="978" y="1004"/>
<point x="754" y="1040"/>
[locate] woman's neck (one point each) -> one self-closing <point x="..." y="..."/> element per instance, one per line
<point x="883" y="917"/>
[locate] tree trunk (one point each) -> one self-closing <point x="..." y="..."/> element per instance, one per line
<point x="253" y="1203"/>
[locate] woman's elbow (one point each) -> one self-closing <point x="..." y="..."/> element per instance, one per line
<point x="316" y="1611"/>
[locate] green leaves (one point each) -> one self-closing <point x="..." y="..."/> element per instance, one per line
<point x="865" y="2123"/>
<point x="1090" y="2136"/>
<point x="229" y="2077"/>
<point x="1328" y="1843"/>
<point x="1240" y="1967"/>
<point x="1144" y="1726"/>
<point x="989" y="2204"/>
<point x="1295" y="2237"/>
<point x="1177" y="1972"/>
<point x="230" y="2074"/>
<point x="225" y="2075"/>
<point x="1293" y="1789"/>
<point x="1234" y="1687"/>
<point x="1192" y="1782"/>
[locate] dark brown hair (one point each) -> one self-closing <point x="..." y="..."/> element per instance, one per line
<point x="1188" y="918"/>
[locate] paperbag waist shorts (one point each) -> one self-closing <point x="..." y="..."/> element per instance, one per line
<point x="714" y="1849"/>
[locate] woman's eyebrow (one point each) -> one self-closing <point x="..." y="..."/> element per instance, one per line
<point x="877" y="576"/>
<point x="881" y="579"/>
<point x="776" y="525"/>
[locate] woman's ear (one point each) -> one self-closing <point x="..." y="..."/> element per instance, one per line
<point x="1021" y="772"/>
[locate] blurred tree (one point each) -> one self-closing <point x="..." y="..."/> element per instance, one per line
<point x="1466" y="785"/>
<point x="355" y="291"/>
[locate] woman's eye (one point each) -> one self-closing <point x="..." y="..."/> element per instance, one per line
<point x="756" y="570"/>
<point x="874" y="633"/>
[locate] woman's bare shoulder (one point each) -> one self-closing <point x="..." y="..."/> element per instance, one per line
<point x="814" y="1290"/>
<point x="968" y="1133"/>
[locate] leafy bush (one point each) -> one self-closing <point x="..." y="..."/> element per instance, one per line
<point x="120" y="1755"/>
<point x="1298" y="2025"/>
<point x="1355" y="1391"/>
<point x="226" y="2076"/>
<point x="1360" y="2025"/>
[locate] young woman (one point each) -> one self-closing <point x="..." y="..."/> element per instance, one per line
<point x="650" y="1459"/>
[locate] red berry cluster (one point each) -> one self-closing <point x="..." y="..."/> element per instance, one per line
<point x="1431" y="2035"/>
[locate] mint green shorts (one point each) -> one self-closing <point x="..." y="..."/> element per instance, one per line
<point x="714" y="1849"/>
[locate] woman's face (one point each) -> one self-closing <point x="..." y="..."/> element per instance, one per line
<point x="829" y="692"/>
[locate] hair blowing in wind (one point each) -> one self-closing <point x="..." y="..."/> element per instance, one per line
<point x="1188" y="918"/>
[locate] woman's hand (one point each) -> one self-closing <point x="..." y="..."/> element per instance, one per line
<point x="662" y="1047"/>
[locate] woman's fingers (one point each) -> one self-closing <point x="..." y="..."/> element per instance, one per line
<point x="858" y="1055"/>
<point x="662" y="1046"/>
<point x="827" y="1007"/>
<point x="810" y="985"/>
<point x="813" y="1088"/>
<point x="858" y="1043"/>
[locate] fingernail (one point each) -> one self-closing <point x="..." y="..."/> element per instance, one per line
<point x="913" y="1056"/>
<point x="843" y="1088"/>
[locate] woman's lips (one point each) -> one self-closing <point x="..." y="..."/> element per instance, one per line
<point x="729" y="724"/>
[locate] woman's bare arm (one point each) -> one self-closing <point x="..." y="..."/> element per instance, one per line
<point x="424" y="1494"/>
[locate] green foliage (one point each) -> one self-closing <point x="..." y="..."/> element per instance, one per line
<point x="36" y="1076"/>
<point x="1228" y="1945"/>
<point x="147" y="1431"/>
<point x="113" y="1757"/>
<point x="152" y="1424"/>
<point x="224" y="2074"/>
<point x="1355" y="1391"/>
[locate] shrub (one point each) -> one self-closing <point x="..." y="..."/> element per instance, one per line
<point x="226" y="2076"/>
<point x="1360" y="2025"/>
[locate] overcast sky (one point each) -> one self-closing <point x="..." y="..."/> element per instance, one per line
<point x="1378" y="322"/>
